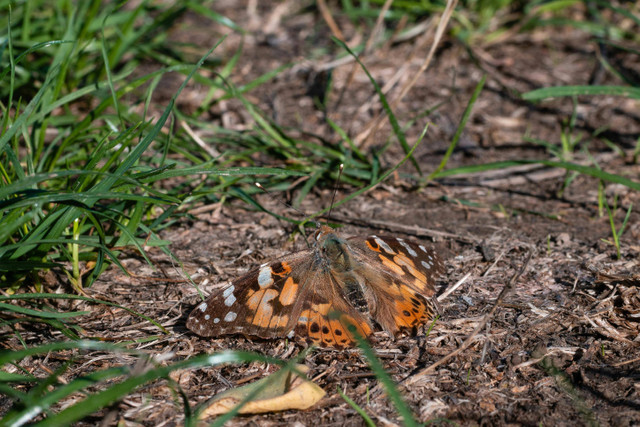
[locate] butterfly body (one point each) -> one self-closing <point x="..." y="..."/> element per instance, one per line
<point x="326" y="293"/>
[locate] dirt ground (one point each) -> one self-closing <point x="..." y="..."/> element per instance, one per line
<point x="563" y="346"/>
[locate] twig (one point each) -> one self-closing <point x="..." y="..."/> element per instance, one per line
<point x="206" y="147"/>
<point x="414" y="230"/>
<point x="512" y="176"/>
<point x="375" y="124"/>
<point x="498" y="258"/>
<point x="328" y="18"/>
<point x="451" y="289"/>
<point x="626" y="362"/>
<point x="367" y="49"/>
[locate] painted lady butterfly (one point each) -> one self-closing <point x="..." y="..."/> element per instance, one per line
<point x="320" y="293"/>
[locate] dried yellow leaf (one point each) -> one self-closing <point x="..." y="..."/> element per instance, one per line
<point x="279" y="391"/>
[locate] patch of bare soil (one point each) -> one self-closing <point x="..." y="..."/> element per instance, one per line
<point x="562" y="348"/>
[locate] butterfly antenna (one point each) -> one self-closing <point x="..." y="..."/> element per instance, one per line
<point x="285" y="204"/>
<point x="335" y="190"/>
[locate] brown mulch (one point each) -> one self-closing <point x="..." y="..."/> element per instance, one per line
<point x="561" y="348"/>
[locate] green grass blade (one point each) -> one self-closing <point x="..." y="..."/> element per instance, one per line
<point x="397" y="129"/>
<point x="215" y="17"/>
<point x="586" y="170"/>
<point x="45" y="401"/>
<point x="561" y="91"/>
<point x="373" y="184"/>
<point x="365" y="417"/>
<point x="38" y="296"/>
<point x="107" y="397"/>
<point x="461" y="126"/>
<point x="135" y="155"/>
<point x="13" y="356"/>
<point x="31" y="106"/>
<point x="6" y="377"/>
<point x="18" y="59"/>
<point x="386" y="381"/>
<point x="232" y="171"/>
<point x="622" y="11"/>
<point x="38" y="313"/>
<point x="626" y="220"/>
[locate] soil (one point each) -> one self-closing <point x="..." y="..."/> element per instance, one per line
<point x="561" y="348"/>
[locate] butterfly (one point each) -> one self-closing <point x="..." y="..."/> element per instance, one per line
<point x="328" y="293"/>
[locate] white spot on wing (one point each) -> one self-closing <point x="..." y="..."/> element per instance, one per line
<point x="216" y="320"/>
<point x="426" y="265"/>
<point x="264" y="277"/>
<point x="291" y="334"/>
<point x="207" y="317"/>
<point x="408" y="248"/>
<point x="228" y="291"/>
<point x="230" y="317"/>
<point x="423" y="249"/>
<point x="203" y="306"/>
<point x="230" y="300"/>
<point x="383" y="245"/>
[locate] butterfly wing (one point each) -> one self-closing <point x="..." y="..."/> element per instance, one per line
<point x="327" y="318"/>
<point x="294" y="296"/>
<point x="261" y="303"/>
<point x="400" y="276"/>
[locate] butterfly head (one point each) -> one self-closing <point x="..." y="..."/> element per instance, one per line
<point x="332" y="249"/>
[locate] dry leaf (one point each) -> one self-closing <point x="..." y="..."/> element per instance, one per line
<point x="284" y="391"/>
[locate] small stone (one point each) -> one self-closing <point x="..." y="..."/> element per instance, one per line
<point x="563" y="239"/>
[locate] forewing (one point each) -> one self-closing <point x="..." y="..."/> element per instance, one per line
<point x="293" y="297"/>
<point x="265" y="302"/>
<point x="401" y="275"/>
